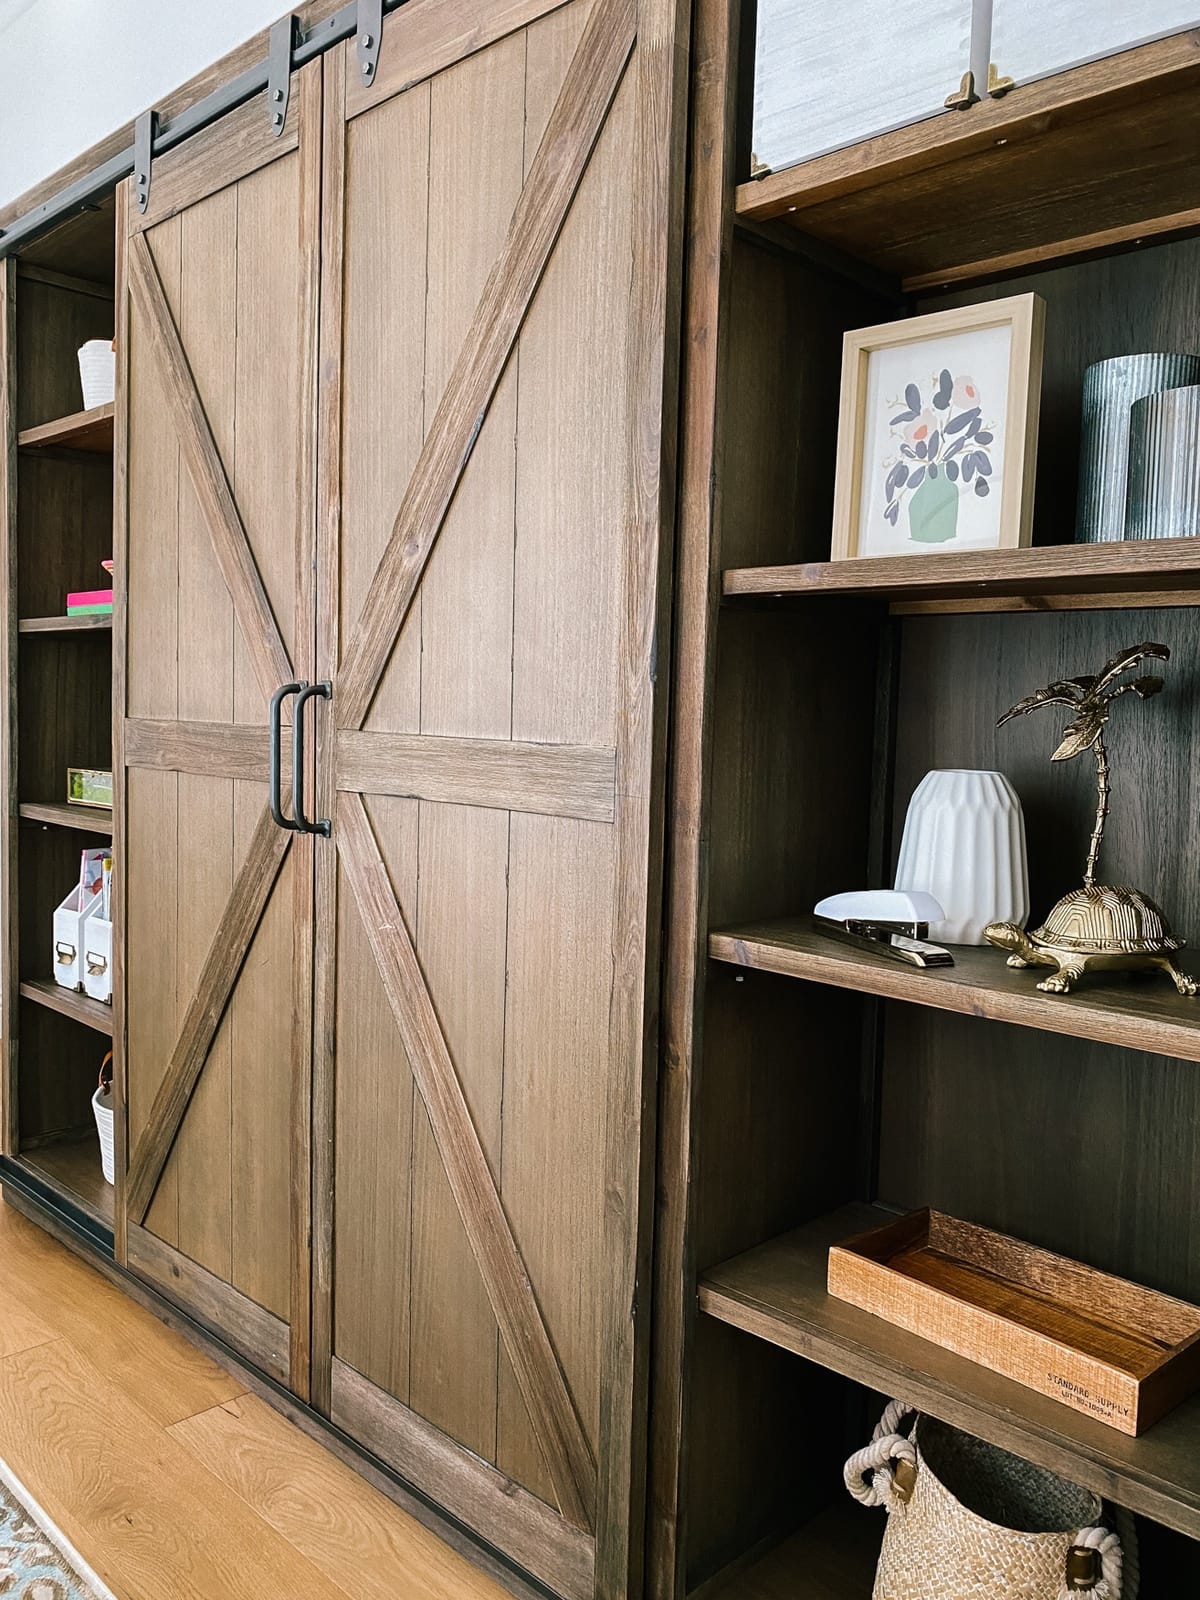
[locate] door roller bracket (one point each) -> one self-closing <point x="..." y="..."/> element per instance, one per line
<point x="367" y="37"/>
<point x="281" y="41"/>
<point x="144" y="131"/>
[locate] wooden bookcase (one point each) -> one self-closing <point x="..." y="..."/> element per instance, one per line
<point x="804" y="1083"/>
<point x="58" y="293"/>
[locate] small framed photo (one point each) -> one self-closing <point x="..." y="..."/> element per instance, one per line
<point x="937" y="431"/>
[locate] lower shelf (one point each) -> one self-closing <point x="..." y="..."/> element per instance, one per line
<point x="832" y="1557"/>
<point x="68" y="1003"/>
<point x="777" y="1292"/>
<point x="73" y="1165"/>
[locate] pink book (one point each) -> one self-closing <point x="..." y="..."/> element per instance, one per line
<point x="90" y="597"/>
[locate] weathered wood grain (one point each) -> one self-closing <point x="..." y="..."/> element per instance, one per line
<point x="506" y="775"/>
<point x="225" y="749"/>
<point x="426" y="39"/>
<point x="9" y="867"/>
<point x="566" y="148"/>
<point x="328" y="608"/>
<point x="231" y="942"/>
<point x="504" y="1513"/>
<point x="241" y="1322"/>
<point x="511" y="1294"/>
<point x="242" y="141"/>
<point x="251" y="604"/>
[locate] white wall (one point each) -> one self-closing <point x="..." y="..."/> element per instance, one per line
<point x="71" y="71"/>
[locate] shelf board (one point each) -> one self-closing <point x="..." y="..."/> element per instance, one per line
<point x="84" y="819"/>
<point x="1050" y="577"/>
<point x="832" y="1557"/>
<point x="777" y="1293"/>
<point x="72" y="1165"/>
<point x="68" y="1003"/>
<point x="88" y="624"/>
<point x="85" y="430"/>
<point x="1142" y="1012"/>
<point x="1084" y="161"/>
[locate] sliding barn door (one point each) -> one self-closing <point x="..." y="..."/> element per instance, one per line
<point x="493" y="334"/>
<point x="219" y="476"/>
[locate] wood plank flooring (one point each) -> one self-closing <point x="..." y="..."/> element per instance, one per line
<point x="169" y="1479"/>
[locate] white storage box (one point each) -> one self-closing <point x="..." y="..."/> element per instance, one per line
<point x="830" y="76"/>
<point x="97" y="957"/>
<point x="69" y="921"/>
<point x="1033" y="41"/>
<point x="98" y="373"/>
<point x="84" y="901"/>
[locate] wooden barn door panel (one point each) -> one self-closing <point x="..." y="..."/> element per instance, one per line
<point x="221" y="278"/>
<point x="493" y="343"/>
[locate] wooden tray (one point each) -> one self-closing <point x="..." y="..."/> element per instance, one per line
<point x="1118" y="1352"/>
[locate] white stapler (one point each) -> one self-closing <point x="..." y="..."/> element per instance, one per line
<point x="892" y="922"/>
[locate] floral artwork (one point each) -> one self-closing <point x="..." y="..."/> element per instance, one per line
<point x="937" y="433"/>
<point x="942" y="452"/>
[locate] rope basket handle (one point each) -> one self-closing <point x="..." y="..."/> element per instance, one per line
<point x="106" y="1071"/>
<point x="1095" y="1565"/>
<point x="870" y="1474"/>
<point x="884" y="1473"/>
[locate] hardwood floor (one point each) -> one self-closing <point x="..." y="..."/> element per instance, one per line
<point x="169" y="1479"/>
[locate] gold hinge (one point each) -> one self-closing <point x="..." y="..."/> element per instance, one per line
<point x="996" y="84"/>
<point x="965" y="95"/>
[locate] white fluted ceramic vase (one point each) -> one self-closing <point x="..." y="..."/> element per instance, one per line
<point x="964" y="843"/>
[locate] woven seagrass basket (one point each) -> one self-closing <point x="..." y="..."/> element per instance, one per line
<point x="968" y="1521"/>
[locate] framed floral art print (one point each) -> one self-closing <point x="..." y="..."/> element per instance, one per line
<point x="937" y="431"/>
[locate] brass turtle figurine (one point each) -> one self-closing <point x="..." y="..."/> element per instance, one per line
<point x="1096" y="928"/>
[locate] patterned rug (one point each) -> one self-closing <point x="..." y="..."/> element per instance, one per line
<point x="36" y="1562"/>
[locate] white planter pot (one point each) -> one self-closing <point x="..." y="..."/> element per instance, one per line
<point x="97" y="373"/>
<point x="102" y="1106"/>
<point x="964" y="843"/>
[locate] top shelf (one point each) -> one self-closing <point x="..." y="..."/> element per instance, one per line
<point x="1049" y="578"/>
<point x="85" y="430"/>
<point x="1088" y="160"/>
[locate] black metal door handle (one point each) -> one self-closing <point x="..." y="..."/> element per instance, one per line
<point x="277" y="700"/>
<point x="321" y="691"/>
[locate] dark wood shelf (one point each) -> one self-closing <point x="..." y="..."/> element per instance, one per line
<point x="1141" y="1013"/>
<point x="777" y="1293"/>
<point x="1089" y="160"/>
<point x="1048" y="578"/>
<point x="85" y="819"/>
<point x="68" y="1003"/>
<point x="72" y="1165"/>
<point x="85" y="430"/>
<point x="89" y="624"/>
<point x="832" y="1557"/>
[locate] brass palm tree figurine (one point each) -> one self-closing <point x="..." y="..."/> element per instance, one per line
<point x="1095" y="928"/>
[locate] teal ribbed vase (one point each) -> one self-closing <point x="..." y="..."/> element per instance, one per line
<point x="1110" y="389"/>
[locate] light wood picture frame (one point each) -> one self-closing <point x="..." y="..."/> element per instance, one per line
<point x="937" y="432"/>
